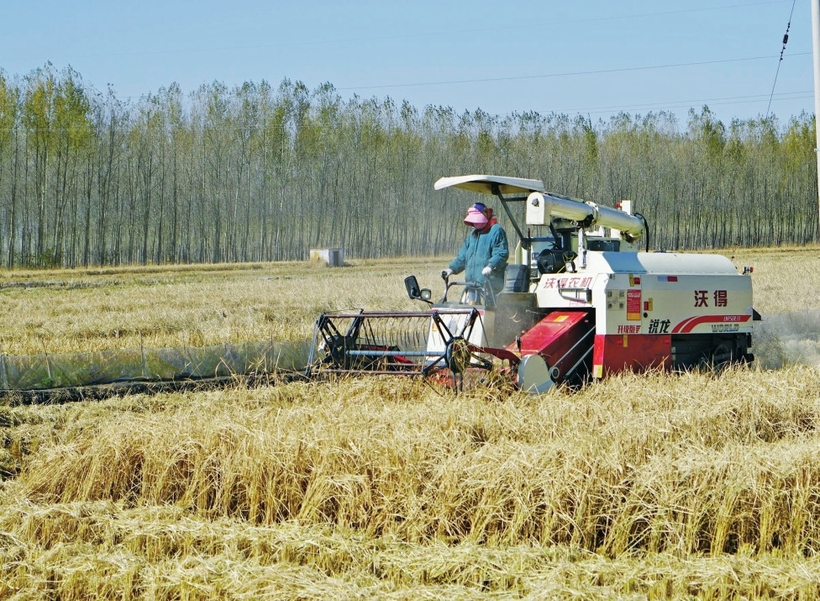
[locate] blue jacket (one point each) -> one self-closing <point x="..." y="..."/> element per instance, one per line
<point x="482" y="249"/>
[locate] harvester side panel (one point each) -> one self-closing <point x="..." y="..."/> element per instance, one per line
<point x="696" y="304"/>
<point x="563" y="338"/>
<point x="615" y="353"/>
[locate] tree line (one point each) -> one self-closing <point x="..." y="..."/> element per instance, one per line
<point x="263" y="173"/>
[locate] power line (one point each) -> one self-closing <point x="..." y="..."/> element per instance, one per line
<point x="566" y="111"/>
<point x="688" y="103"/>
<point x="562" y="74"/>
<point x="782" y="50"/>
<point x="393" y="36"/>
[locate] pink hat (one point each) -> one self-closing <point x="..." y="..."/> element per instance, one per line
<point x="475" y="218"/>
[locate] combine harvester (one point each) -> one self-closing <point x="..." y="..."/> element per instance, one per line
<point x="581" y="301"/>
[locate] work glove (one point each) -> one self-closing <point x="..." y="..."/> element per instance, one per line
<point x="487" y="271"/>
<point x="446" y="273"/>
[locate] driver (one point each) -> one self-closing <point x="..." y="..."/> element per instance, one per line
<point x="484" y="253"/>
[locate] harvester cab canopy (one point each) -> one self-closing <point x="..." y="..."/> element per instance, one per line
<point x="498" y="186"/>
<point x="575" y="226"/>
<point x="491" y="184"/>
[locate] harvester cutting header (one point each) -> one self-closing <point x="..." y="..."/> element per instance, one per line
<point x="583" y="297"/>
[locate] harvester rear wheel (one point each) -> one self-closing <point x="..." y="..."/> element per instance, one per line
<point x="722" y="357"/>
<point x="718" y="359"/>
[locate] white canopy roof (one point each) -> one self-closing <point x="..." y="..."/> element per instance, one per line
<point x="484" y="184"/>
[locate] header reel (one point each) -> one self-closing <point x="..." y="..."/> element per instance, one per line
<point x="424" y="343"/>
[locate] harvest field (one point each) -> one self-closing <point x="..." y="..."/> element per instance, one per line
<point x="697" y="485"/>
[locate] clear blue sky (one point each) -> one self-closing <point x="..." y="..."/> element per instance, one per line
<point x="589" y="57"/>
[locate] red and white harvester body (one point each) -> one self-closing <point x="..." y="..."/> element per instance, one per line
<point x="581" y="301"/>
